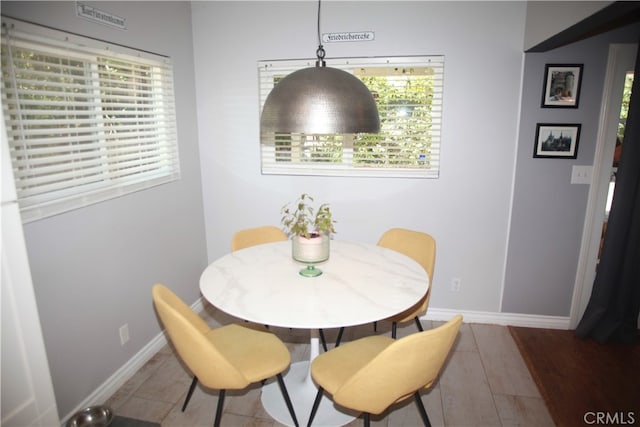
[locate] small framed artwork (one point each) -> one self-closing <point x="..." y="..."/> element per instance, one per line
<point x="561" y="87"/>
<point x="557" y="140"/>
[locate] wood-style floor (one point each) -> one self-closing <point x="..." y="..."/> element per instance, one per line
<point x="485" y="382"/>
<point x="581" y="380"/>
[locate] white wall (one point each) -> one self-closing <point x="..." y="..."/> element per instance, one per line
<point x="93" y="268"/>
<point x="466" y="209"/>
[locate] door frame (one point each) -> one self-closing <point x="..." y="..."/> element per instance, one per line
<point x="620" y="60"/>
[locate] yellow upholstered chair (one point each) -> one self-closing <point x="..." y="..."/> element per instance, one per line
<point x="370" y="374"/>
<point x="229" y="357"/>
<point x="256" y="236"/>
<point x="422" y="248"/>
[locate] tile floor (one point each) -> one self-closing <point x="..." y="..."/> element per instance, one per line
<point x="484" y="383"/>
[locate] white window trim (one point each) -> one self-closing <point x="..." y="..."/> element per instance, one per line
<point x="162" y="140"/>
<point x="271" y="167"/>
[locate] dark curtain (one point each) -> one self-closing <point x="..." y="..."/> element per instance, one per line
<point x="612" y="312"/>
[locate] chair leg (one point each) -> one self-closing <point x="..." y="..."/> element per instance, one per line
<point x="216" y="422"/>
<point x="423" y="412"/>
<point x="314" y="409"/>
<point x="339" y="336"/>
<point x="287" y="400"/>
<point x="394" y="327"/>
<point x="322" y="340"/>
<point x="190" y="392"/>
<point x="367" y="419"/>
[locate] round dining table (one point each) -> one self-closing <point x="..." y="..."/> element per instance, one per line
<point x="360" y="283"/>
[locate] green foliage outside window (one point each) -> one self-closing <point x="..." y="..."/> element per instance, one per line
<point x="624" y="110"/>
<point x="408" y="92"/>
<point x="404" y="105"/>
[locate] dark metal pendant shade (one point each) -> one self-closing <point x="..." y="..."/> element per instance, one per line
<point x="320" y="100"/>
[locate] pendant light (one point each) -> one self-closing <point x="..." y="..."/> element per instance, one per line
<point x="320" y="100"/>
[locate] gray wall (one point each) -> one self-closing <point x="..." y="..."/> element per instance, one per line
<point x="546" y="18"/>
<point x="93" y="268"/>
<point x="548" y="211"/>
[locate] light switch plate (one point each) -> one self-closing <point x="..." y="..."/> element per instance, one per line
<point x="581" y="174"/>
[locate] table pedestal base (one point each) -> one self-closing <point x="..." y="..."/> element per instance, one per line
<point x="302" y="391"/>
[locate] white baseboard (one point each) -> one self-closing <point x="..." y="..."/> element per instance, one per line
<point x="512" y="319"/>
<point x="122" y="375"/>
<point x="198" y="306"/>
<point x="117" y="380"/>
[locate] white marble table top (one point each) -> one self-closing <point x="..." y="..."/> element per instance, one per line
<point x="361" y="283"/>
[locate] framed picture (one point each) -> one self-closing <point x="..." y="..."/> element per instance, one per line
<point x="557" y="140"/>
<point x="561" y="87"/>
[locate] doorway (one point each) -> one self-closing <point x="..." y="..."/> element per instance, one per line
<point x="621" y="61"/>
<point x="622" y="123"/>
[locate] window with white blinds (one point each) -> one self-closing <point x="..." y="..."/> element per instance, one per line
<point x="86" y="120"/>
<point x="408" y="93"/>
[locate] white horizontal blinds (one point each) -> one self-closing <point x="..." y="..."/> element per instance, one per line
<point x="301" y="148"/>
<point x="84" y="124"/>
<point x="134" y="118"/>
<point x="408" y="91"/>
<point x="409" y="100"/>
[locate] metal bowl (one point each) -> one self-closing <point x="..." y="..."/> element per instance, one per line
<point x="93" y="416"/>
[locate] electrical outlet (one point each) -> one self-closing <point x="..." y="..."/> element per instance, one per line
<point x="124" y="334"/>
<point x="455" y="284"/>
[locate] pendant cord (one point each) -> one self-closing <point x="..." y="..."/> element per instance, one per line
<point x="320" y="53"/>
<point x="318" y="26"/>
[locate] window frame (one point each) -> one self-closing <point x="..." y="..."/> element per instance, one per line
<point x="141" y="151"/>
<point x="268" y="70"/>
